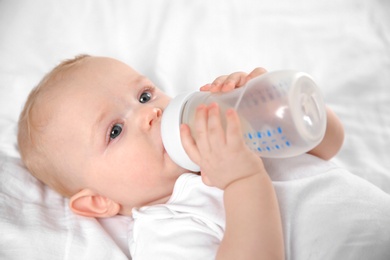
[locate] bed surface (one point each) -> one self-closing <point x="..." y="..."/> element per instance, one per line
<point x="180" y="46"/>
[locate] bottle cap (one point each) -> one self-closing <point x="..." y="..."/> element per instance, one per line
<point x="170" y="132"/>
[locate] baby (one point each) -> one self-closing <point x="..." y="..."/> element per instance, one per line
<point x="91" y="131"/>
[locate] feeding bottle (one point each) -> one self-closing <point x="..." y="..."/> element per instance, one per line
<point x="282" y="114"/>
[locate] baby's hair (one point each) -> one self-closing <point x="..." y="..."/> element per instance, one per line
<point x="31" y="127"/>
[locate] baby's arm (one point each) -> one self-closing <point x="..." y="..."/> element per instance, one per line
<point x="333" y="139"/>
<point x="253" y="223"/>
<point x="334" y="134"/>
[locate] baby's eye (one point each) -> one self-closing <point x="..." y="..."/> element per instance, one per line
<point x="116" y="131"/>
<point x="145" y="97"/>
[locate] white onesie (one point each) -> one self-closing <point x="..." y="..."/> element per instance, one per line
<point x="192" y="205"/>
<point x="323" y="209"/>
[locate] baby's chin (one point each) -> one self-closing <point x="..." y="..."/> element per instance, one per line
<point x="174" y="168"/>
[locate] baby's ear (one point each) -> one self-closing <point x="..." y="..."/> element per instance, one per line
<point x="90" y="204"/>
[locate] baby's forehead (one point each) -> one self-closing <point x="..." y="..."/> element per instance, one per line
<point x="71" y="97"/>
<point x="88" y="84"/>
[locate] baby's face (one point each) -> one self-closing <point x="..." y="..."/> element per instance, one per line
<point x="108" y="126"/>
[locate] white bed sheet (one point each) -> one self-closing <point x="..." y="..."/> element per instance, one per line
<point x="181" y="45"/>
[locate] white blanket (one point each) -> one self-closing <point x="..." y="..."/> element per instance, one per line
<point x="181" y="45"/>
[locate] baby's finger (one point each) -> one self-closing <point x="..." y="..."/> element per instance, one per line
<point x="233" y="129"/>
<point x="206" y="87"/>
<point x="234" y="80"/>
<point x="217" y="83"/>
<point x="255" y="73"/>
<point x="216" y="134"/>
<point x="201" y="129"/>
<point x="189" y="144"/>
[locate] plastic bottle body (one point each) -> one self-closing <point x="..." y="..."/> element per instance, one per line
<point x="282" y="113"/>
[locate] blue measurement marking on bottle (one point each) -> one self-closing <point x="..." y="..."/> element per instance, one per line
<point x="269" y="140"/>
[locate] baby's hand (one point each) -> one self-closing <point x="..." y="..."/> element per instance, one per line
<point x="222" y="155"/>
<point x="229" y="82"/>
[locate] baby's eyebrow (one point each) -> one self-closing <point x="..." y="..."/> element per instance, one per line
<point x="142" y="80"/>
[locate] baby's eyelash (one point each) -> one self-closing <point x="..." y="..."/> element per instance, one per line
<point x="150" y="90"/>
<point x="110" y="131"/>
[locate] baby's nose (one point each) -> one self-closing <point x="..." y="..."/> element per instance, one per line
<point x="150" y="117"/>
